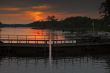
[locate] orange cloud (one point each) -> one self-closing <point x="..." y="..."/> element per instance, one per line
<point x="41" y="7"/>
<point x="10" y="15"/>
<point x="10" y="9"/>
<point x="14" y="18"/>
<point x="36" y="16"/>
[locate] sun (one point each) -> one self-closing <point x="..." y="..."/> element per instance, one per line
<point x="36" y="16"/>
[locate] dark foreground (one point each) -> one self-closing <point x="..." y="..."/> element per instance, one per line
<point x="64" y="50"/>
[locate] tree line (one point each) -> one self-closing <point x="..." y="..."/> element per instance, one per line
<point x="78" y="23"/>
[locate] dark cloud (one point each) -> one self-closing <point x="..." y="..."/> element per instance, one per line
<point x="63" y="4"/>
<point x="57" y="5"/>
<point x="20" y="3"/>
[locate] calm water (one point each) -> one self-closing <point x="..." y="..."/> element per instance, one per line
<point x="33" y="34"/>
<point x="42" y="34"/>
<point x="87" y="64"/>
<point x="30" y="34"/>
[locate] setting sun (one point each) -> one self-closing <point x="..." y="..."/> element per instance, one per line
<point x="36" y="16"/>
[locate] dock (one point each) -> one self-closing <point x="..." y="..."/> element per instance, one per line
<point x="33" y="41"/>
<point x="23" y="45"/>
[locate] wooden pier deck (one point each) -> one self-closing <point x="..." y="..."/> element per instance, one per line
<point x="33" y="41"/>
<point x="26" y="41"/>
<point x="31" y="45"/>
<point x="17" y="46"/>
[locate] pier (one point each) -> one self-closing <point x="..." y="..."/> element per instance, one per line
<point x="34" y="45"/>
<point x="32" y="41"/>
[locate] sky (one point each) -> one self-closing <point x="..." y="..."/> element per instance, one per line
<point x="27" y="11"/>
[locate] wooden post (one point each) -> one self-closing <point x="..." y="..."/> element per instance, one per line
<point x="17" y="38"/>
<point x="35" y="39"/>
<point x="26" y="39"/>
<point x="8" y="39"/>
<point x="50" y="47"/>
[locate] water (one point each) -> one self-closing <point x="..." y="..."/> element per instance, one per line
<point x="76" y="64"/>
<point x="42" y="34"/>
<point x="86" y="64"/>
<point x="34" y="34"/>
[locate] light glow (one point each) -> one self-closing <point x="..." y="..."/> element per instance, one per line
<point x="36" y="16"/>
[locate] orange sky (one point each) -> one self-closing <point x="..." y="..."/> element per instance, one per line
<point x="30" y="16"/>
<point x="39" y="16"/>
<point x="27" y="11"/>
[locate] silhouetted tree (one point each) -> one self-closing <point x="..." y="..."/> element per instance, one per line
<point x="77" y="23"/>
<point x="105" y="8"/>
<point x="52" y="18"/>
<point x="0" y="22"/>
<point x="105" y="12"/>
<point x="52" y="22"/>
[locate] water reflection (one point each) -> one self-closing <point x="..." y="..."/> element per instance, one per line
<point x="78" y="64"/>
<point x="42" y="34"/>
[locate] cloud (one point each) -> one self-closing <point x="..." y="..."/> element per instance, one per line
<point x="14" y="19"/>
<point x="54" y="5"/>
<point x="10" y="15"/>
<point x="41" y="7"/>
<point x="10" y="9"/>
<point x="35" y="16"/>
<point x="20" y="3"/>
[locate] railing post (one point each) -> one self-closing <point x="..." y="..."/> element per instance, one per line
<point x="35" y="39"/>
<point x="17" y="38"/>
<point x="8" y="39"/>
<point x="26" y="39"/>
